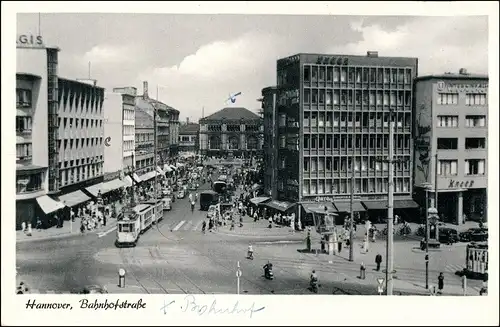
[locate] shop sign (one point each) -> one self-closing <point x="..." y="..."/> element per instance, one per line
<point x="454" y="87"/>
<point x="332" y="60"/>
<point x="460" y="184"/>
<point x="29" y="40"/>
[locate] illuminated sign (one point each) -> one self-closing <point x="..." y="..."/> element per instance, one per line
<point x="460" y="184"/>
<point x="29" y="40"/>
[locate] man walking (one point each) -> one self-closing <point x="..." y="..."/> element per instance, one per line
<point x="440" y="283"/>
<point x="378" y="261"/>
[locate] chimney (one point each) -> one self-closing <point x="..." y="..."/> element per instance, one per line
<point x="372" y="54"/>
<point x="462" y="71"/>
<point x="145" y="95"/>
<point x="187" y="120"/>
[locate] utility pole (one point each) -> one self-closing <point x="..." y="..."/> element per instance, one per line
<point x="351" y="225"/>
<point x="390" y="213"/>
<point x="436" y="163"/>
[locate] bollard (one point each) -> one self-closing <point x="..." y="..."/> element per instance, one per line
<point x="121" y="278"/>
<point x="362" y="271"/>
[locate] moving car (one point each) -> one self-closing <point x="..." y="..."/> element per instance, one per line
<point x="207" y="199"/>
<point x="448" y="235"/>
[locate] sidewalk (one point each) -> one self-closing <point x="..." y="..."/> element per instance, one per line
<point x="67" y="230"/>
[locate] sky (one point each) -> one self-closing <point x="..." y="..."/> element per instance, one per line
<point x="198" y="60"/>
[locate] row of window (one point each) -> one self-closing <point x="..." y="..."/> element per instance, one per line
<point x="140" y="164"/>
<point x="344" y="141"/>
<point x="471" y="99"/>
<point x="24" y="151"/>
<point x="470" y="143"/>
<point x="347" y="119"/>
<point x="233" y="128"/>
<point x="128" y="145"/>
<point x="23" y="98"/>
<point x="79" y="162"/>
<point x="128" y="130"/>
<point x="344" y="164"/>
<point x="361" y="185"/>
<point x="357" y="74"/>
<point x="74" y="143"/>
<point x="78" y="174"/>
<point x="472" y="167"/>
<point x="80" y="122"/>
<point x="23" y="124"/>
<point x="80" y="98"/>
<point x="144" y="137"/>
<point x="470" y="121"/>
<point x="128" y="114"/>
<point x="358" y="97"/>
<point x="29" y="183"/>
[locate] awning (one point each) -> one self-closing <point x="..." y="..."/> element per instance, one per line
<point x="375" y="205"/>
<point x="94" y="189"/>
<point x="255" y="187"/>
<point x="73" y="198"/>
<point x="405" y="204"/>
<point x="167" y="168"/>
<point x="345" y="206"/>
<point x="160" y="171"/>
<point x="148" y="176"/>
<point x="259" y="199"/>
<point x="113" y="185"/>
<point x="318" y="207"/>
<point x="48" y="204"/>
<point x="127" y="181"/>
<point x="279" y="205"/>
<point x="136" y="178"/>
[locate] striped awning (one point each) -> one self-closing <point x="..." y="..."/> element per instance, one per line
<point x="49" y="205"/>
<point x="113" y="185"/>
<point x="73" y="198"/>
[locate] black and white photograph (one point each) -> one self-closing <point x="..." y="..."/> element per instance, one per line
<point x="247" y="154"/>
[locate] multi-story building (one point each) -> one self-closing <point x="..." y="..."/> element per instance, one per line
<point x="144" y="143"/>
<point x="270" y="142"/>
<point x="128" y="122"/>
<point x="333" y="117"/>
<point x="174" y="131"/>
<point x="36" y="124"/>
<point x="233" y="130"/>
<point x="80" y="140"/>
<point x="188" y="137"/>
<point x="451" y="126"/>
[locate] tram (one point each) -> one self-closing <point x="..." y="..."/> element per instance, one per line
<point x="134" y="223"/>
<point x="157" y="210"/>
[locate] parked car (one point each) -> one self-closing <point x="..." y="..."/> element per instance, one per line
<point x="474" y="235"/>
<point x="448" y="235"/>
<point x="181" y="194"/>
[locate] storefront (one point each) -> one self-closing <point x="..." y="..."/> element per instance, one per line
<point x="49" y="208"/>
<point x="407" y="209"/>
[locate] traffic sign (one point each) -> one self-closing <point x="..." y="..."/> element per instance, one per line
<point x="380" y="285"/>
<point x="238" y="273"/>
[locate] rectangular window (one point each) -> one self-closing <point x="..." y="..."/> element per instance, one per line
<point x="313" y="187"/>
<point x="314" y="119"/>
<point x="307" y="96"/>
<point x="475" y="99"/>
<point x="447" y="121"/>
<point x="321" y="96"/>
<point x="447" y="143"/>
<point x="447" y="167"/>
<point x="306" y="164"/>
<point x="474" y="167"/>
<point x="447" y="98"/>
<point x="23" y="98"/>
<point x="475" y="143"/>
<point x="314" y="164"/>
<point x="475" y="121"/>
<point x="307" y="73"/>
<point x="305" y="187"/>
<point x="336" y="97"/>
<point x="329" y="97"/>
<point x="306" y="119"/>
<point x="321" y="119"/>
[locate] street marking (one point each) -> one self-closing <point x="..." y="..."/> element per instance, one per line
<point x="197" y="225"/>
<point x="101" y="234"/>
<point x="179" y="225"/>
<point x="186" y="227"/>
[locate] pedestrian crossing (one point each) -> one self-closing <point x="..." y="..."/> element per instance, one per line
<point x="454" y="268"/>
<point x="187" y="225"/>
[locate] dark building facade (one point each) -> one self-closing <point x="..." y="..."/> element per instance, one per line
<point x="269" y="147"/>
<point x="232" y="130"/>
<point x="333" y="117"/>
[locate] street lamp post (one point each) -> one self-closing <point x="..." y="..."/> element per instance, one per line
<point x="427" y="234"/>
<point x="351" y="225"/>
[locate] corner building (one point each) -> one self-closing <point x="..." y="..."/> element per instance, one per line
<point x="451" y="121"/>
<point x="333" y="117"/>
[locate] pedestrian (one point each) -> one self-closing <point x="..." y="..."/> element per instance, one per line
<point x="255" y="216"/>
<point x="38" y="224"/>
<point x="72" y="214"/>
<point x="82" y="227"/>
<point x="29" y="229"/>
<point x="270" y="223"/>
<point x="192" y="206"/>
<point x="340" y="246"/>
<point x="23" y="226"/>
<point x="378" y="261"/>
<point x="440" y="283"/>
<point x="58" y="223"/>
<point x="203" y="227"/>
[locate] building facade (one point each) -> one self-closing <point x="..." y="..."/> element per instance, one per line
<point x="188" y="138"/>
<point x="270" y="142"/>
<point x="451" y="128"/>
<point x="144" y="142"/>
<point x="80" y="140"/>
<point x="333" y="118"/>
<point x="128" y="122"/>
<point x="232" y="130"/>
<point x="36" y="103"/>
<point x="174" y="131"/>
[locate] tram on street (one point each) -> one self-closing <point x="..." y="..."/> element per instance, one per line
<point x="157" y="209"/>
<point x="135" y="222"/>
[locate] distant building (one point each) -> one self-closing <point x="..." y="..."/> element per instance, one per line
<point x="232" y="130"/>
<point x="451" y="121"/>
<point x="144" y="142"/>
<point x="188" y="138"/>
<point x="270" y="141"/>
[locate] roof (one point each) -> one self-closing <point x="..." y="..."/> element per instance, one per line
<point x="189" y="129"/>
<point x="453" y="76"/>
<point x="143" y="119"/>
<point x="73" y="82"/>
<point x="232" y="113"/>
